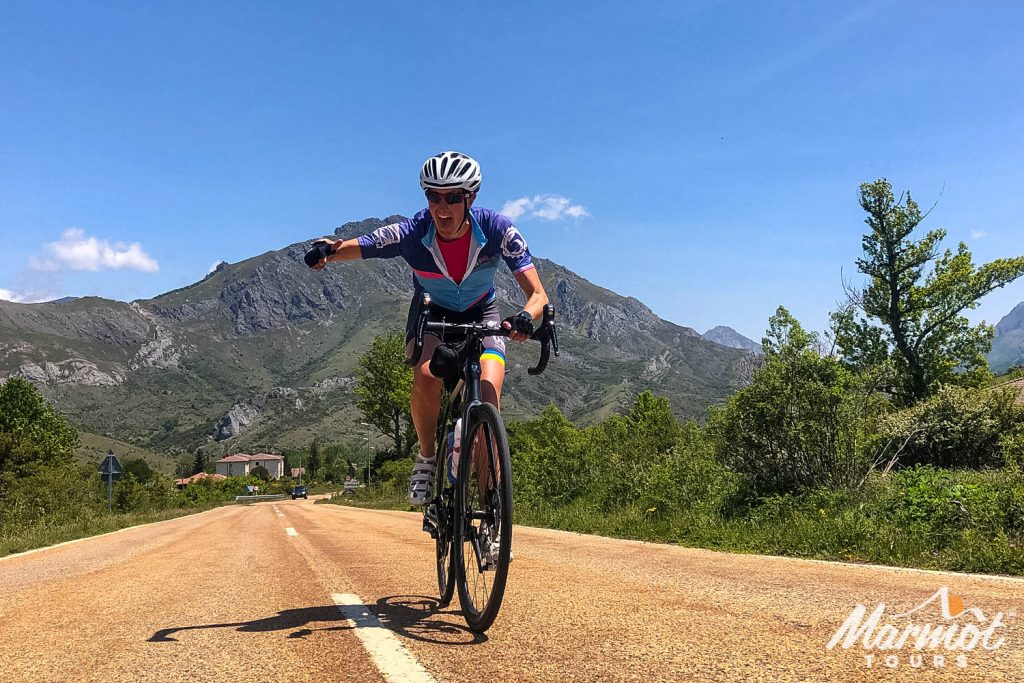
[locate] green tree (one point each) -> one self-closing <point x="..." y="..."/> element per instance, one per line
<point x="803" y="422"/>
<point x="198" y="462"/>
<point x="139" y="469"/>
<point x="908" y="317"/>
<point x="549" y="457"/>
<point x="314" y="459"/>
<point x="328" y="456"/>
<point x="384" y="386"/>
<point x="32" y="433"/>
<point x="129" y="494"/>
<point x="183" y="466"/>
<point x="260" y="472"/>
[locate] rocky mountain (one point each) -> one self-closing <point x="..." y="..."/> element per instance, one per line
<point x="262" y="353"/>
<point x="726" y="336"/>
<point x="1008" y="344"/>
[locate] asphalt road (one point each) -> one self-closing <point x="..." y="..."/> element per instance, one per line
<point x="233" y="595"/>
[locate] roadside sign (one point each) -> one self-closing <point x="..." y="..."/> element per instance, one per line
<point x="110" y="471"/>
<point x="110" y="468"/>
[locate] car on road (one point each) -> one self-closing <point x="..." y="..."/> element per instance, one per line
<point x="299" y="492"/>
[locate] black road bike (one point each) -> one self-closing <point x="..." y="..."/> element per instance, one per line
<point x="470" y="518"/>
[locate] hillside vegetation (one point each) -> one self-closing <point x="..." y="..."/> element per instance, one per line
<point x="46" y="497"/>
<point x="884" y="442"/>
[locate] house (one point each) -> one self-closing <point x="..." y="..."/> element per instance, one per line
<point x="182" y="483"/>
<point x="240" y="464"/>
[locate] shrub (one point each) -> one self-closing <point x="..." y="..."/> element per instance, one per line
<point x="804" y="421"/>
<point x="129" y="495"/>
<point x="644" y="460"/>
<point x="940" y="503"/>
<point x="394" y="475"/>
<point x="551" y="461"/>
<point x="53" y="494"/>
<point x="956" y="428"/>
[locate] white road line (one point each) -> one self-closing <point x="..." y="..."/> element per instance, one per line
<point x="291" y="532"/>
<point x="393" y="661"/>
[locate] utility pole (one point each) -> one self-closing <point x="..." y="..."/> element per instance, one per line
<point x="367" y="425"/>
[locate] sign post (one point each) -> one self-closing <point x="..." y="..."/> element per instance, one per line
<point x="110" y="471"/>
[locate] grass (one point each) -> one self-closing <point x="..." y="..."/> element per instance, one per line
<point x="823" y="525"/>
<point x="374" y="499"/>
<point x="93" y="448"/>
<point x="841" y="533"/>
<point x="49" y="531"/>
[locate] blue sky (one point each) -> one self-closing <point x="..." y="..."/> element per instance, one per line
<point x="712" y="150"/>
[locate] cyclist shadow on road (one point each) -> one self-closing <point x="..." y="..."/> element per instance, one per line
<point x="284" y="620"/>
<point x="412" y="616"/>
<point x="421" y="618"/>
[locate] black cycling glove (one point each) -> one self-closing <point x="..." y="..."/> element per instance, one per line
<point x="318" y="253"/>
<point x="521" y="322"/>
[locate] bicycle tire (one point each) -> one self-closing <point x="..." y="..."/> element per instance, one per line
<point x="444" y="509"/>
<point x="481" y="591"/>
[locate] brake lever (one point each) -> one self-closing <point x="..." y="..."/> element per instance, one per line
<point x="547" y="337"/>
<point x="549" y="318"/>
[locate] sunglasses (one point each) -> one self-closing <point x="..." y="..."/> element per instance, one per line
<point x="450" y="198"/>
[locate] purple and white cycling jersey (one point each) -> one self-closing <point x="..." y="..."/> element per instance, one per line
<point x="415" y="240"/>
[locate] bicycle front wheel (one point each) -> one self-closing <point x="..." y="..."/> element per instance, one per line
<point x="483" y="517"/>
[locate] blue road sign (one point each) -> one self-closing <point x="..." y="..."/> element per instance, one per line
<point x="110" y="468"/>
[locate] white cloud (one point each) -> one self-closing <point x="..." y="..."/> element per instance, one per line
<point x="26" y="298"/>
<point x="547" y="207"/>
<point x="977" y="234"/>
<point x="8" y="295"/>
<point x="77" y="251"/>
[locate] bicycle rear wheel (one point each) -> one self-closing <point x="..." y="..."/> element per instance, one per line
<point x="483" y="517"/>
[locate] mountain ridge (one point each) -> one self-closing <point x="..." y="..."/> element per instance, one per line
<point x="270" y="340"/>
<point x="726" y="336"/>
<point x="1008" y="343"/>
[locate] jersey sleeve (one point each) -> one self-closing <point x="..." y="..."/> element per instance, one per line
<point x="386" y="241"/>
<point x="514" y="250"/>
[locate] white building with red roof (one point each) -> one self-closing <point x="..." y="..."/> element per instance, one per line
<point x="240" y="464"/>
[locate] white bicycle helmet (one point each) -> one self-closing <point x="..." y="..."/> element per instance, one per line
<point x="449" y="170"/>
